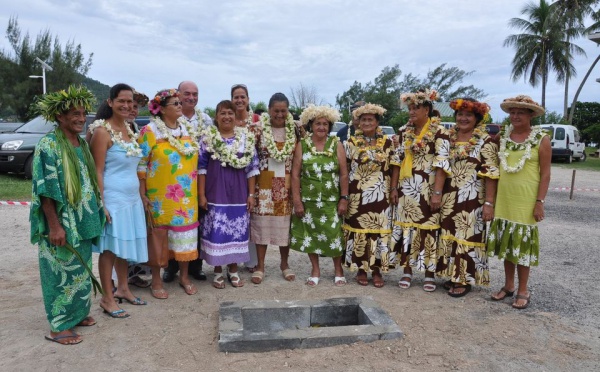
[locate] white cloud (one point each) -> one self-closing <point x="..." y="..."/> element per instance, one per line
<point x="274" y="45"/>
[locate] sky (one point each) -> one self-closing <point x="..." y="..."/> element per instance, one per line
<point x="276" y="45"/>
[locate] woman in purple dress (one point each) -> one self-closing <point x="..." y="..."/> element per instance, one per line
<point x="227" y="170"/>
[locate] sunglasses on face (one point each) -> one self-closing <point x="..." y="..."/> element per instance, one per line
<point x="177" y="103"/>
<point x="239" y="86"/>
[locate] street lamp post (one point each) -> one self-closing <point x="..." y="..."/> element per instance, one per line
<point x="595" y="37"/>
<point x="45" y="67"/>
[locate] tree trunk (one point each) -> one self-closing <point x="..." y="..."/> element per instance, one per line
<point x="572" y="111"/>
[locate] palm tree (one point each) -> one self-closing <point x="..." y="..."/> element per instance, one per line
<point x="574" y="13"/>
<point x="542" y="47"/>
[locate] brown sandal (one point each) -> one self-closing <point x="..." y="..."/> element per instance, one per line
<point x="378" y="281"/>
<point x="521" y="297"/>
<point x="504" y="291"/>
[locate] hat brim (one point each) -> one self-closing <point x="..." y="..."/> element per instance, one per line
<point x="537" y="110"/>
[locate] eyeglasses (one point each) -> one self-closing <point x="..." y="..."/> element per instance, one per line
<point x="239" y="86"/>
<point x="177" y="103"/>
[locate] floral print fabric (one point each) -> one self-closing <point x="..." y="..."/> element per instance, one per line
<point x="368" y="221"/>
<point x="319" y="230"/>
<point x="461" y="250"/>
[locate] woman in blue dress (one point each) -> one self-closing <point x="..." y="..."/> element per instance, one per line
<point x="117" y="154"/>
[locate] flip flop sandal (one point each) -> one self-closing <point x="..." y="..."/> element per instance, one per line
<point x="467" y="289"/>
<point x="88" y="321"/>
<point x="521" y="297"/>
<point x="58" y="339"/>
<point x="312" y="281"/>
<point x="117" y="314"/>
<point x="189" y="289"/>
<point x="362" y="279"/>
<point x="235" y="280"/>
<point x="218" y="281"/>
<point x="506" y="292"/>
<point x="405" y="284"/>
<point x="340" y="281"/>
<point x="448" y="284"/>
<point x="135" y="301"/>
<point x="429" y="285"/>
<point x="378" y="281"/>
<point x="160" y="294"/>
<point x="257" y="277"/>
<point x="288" y="275"/>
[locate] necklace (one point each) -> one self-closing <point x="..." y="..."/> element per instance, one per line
<point x="506" y="145"/>
<point x="184" y="149"/>
<point x="245" y="122"/>
<point x="411" y="142"/>
<point x="132" y="148"/>
<point x="368" y="152"/>
<point x="326" y="151"/>
<point x="228" y="154"/>
<point x="461" y="150"/>
<point x="290" y="137"/>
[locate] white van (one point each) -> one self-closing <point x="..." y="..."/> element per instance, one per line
<point x="565" y="141"/>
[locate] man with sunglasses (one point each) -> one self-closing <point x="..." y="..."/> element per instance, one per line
<point x="188" y="95"/>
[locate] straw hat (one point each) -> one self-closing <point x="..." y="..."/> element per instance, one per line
<point x="522" y="101"/>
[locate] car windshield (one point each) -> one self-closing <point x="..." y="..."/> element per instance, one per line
<point x="337" y="126"/>
<point x="387" y="130"/>
<point x="36" y="125"/>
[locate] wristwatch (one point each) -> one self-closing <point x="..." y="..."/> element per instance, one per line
<point x="345" y="197"/>
<point x="540" y="201"/>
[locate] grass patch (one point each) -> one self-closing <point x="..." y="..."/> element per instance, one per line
<point x="590" y="163"/>
<point x="14" y="187"/>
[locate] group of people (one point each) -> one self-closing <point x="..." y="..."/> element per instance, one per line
<point x="190" y="190"/>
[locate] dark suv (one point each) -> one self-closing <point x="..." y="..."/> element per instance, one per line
<point x="16" y="148"/>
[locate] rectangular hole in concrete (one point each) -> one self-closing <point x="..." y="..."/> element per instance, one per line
<point x="273" y="325"/>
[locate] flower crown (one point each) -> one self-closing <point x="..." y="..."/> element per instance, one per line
<point x="313" y="112"/>
<point x="369" y="108"/>
<point x="56" y="103"/>
<point x="140" y="98"/>
<point x="160" y="98"/>
<point x="480" y="108"/>
<point x="419" y="98"/>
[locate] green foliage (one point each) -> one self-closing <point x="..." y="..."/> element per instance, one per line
<point x="592" y="133"/>
<point x="210" y="112"/>
<point x="587" y="115"/>
<point x="17" y="90"/>
<point x="259" y="105"/>
<point x="386" y="88"/>
<point x="553" y="117"/>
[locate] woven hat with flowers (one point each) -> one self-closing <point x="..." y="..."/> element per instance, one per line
<point x="160" y="98"/>
<point x="140" y="98"/>
<point x="522" y="101"/>
<point x="419" y="98"/>
<point x="313" y="112"/>
<point x="368" y="108"/>
<point x="56" y="103"/>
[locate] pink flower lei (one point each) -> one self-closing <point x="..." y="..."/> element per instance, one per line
<point x="160" y="97"/>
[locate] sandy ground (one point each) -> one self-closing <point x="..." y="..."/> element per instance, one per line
<point x="560" y="331"/>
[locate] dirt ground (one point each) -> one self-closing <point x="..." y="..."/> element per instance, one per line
<point x="560" y="331"/>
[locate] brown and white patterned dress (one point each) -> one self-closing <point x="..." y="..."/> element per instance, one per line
<point x="416" y="228"/>
<point x="462" y="249"/>
<point x="368" y="222"/>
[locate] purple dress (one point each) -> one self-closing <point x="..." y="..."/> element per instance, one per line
<point x="225" y="227"/>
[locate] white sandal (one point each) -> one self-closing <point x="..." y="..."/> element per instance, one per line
<point x="312" y="281"/>
<point x="429" y="285"/>
<point x="235" y="280"/>
<point x="218" y="281"/>
<point x="405" y="284"/>
<point x="340" y="281"/>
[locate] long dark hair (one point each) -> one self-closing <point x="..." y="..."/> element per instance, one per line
<point x="105" y="111"/>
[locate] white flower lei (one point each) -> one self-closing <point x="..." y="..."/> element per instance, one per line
<point x="290" y="137"/>
<point x="506" y="142"/>
<point x="166" y="132"/>
<point x="228" y="154"/>
<point x="328" y="152"/>
<point x="133" y="150"/>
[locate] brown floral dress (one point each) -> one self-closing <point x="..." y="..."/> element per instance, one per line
<point x="461" y="250"/>
<point x="416" y="228"/>
<point x="368" y="221"/>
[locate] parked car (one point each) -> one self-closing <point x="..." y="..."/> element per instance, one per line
<point x="447" y="124"/>
<point x="492" y="129"/>
<point x="336" y="126"/>
<point x="9" y="127"/>
<point x="16" y="148"/>
<point x="388" y="130"/>
<point x="566" y="142"/>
